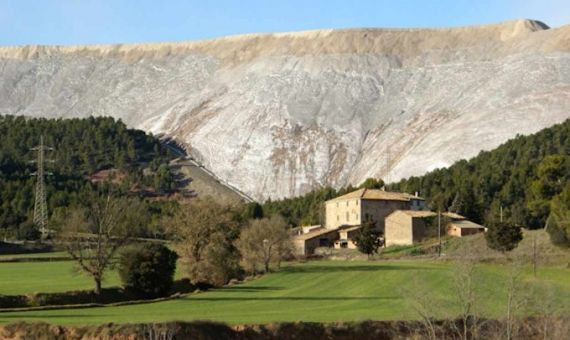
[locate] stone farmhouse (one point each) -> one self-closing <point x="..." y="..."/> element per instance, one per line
<point x="376" y="204"/>
<point x="400" y="217"/>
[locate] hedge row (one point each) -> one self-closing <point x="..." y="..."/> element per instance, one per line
<point x="86" y="297"/>
<point x="35" y="259"/>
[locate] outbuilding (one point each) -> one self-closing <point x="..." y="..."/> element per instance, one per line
<point x="406" y="227"/>
<point x="462" y="228"/>
<point x="346" y="236"/>
<point x="305" y="244"/>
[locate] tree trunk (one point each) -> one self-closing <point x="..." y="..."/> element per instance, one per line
<point x="97" y="286"/>
<point x="267" y="266"/>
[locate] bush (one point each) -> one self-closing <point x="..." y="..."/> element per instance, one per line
<point x="503" y="237"/>
<point x="367" y="240"/>
<point x="28" y="232"/>
<point x="147" y="269"/>
<point x="13" y="301"/>
<point x="559" y="219"/>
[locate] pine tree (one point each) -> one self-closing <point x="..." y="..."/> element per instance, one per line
<point x="503" y="237"/>
<point x="367" y="239"/>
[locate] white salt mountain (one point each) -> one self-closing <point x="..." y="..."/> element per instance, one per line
<point x="276" y="115"/>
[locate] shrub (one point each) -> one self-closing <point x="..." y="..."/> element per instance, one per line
<point x="147" y="269"/>
<point x="13" y="301"/>
<point x="367" y="239"/>
<point x="503" y="237"/>
<point x="559" y="219"/>
<point x="29" y="232"/>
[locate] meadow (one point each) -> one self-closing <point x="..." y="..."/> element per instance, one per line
<point x="320" y="291"/>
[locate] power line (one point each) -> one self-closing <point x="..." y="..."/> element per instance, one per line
<point x="40" y="204"/>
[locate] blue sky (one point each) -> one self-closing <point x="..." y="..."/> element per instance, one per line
<point x="125" y="21"/>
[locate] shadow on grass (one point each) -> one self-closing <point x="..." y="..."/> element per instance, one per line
<point x="294" y="298"/>
<point x="248" y="289"/>
<point x="347" y="268"/>
<point x="30" y="315"/>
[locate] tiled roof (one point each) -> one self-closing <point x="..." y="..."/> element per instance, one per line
<point x="350" y="228"/>
<point x="454" y="216"/>
<point x="416" y="213"/>
<point x="377" y="194"/>
<point x="466" y="224"/>
<point x="313" y="234"/>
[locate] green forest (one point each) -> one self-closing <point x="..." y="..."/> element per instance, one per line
<point x="524" y="179"/>
<point x="520" y="177"/>
<point x="81" y="147"/>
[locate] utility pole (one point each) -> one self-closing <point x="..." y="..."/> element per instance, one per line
<point x="534" y="254"/>
<point x="439" y="231"/>
<point x="40" y="204"/>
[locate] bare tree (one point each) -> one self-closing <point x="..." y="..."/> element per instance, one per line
<point x="264" y="241"/>
<point x="544" y="303"/>
<point x="422" y="300"/>
<point x="465" y="297"/>
<point x="92" y="236"/>
<point x="517" y="298"/>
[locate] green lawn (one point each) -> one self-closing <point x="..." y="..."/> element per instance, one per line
<point x="46" y="277"/>
<point x="20" y="278"/>
<point x="34" y="255"/>
<point x="323" y="291"/>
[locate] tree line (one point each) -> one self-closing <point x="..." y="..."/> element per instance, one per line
<point x="82" y="147"/>
<point x="215" y="242"/>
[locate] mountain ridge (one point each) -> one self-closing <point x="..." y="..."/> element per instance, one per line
<point x="277" y="115"/>
<point x="507" y="29"/>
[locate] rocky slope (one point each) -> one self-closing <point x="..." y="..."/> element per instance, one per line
<point x="278" y="114"/>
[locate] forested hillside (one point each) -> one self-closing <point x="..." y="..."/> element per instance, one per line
<point x="82" y="147"/>
<point x="522" y="175"/>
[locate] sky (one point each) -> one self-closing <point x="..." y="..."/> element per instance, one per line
<point x="70" y="22"/>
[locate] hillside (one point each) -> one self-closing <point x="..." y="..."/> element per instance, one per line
<point x="89" y="155"/>
<point x="277" y="115"/>
<point x="503" y="177"/>
<point x="476" y="246"/>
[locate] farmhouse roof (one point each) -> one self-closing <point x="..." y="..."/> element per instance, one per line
<point x="465" y="224"/>
<point x="377" y="194"/>
<point x="417" y="213"/>
<point x="413" y="213"/>
<point x="314" y="233"/>
<point x="454" y="216"/>
<point x="349" y="228"/>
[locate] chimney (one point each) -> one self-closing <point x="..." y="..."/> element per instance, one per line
<point x="416" y="194"/>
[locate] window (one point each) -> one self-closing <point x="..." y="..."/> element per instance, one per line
<point x="347" y="203"/>
<point x="347" y="216"/>
<point x="337" y="204"/>
<point x="356" y="216"/>
<point x="337" y="218"/>
<point x="356" y="202"/>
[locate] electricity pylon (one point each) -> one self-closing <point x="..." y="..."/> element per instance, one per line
<point x="40" y="204"/>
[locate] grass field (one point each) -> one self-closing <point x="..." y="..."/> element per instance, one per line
<point x="45" y="255"/>
<point x="323" y="291"/>
<point x="20" y="278"/>
<point x="46" y="277"/>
